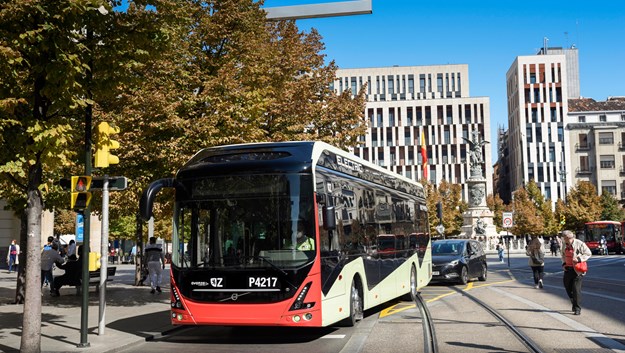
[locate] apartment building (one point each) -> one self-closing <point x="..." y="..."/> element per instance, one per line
<point x="405" y="102"/>
<point x="538" y="90"/>
<point x="597" y="134"/>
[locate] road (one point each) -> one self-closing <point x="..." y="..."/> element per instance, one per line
<point x="544" y="315"/>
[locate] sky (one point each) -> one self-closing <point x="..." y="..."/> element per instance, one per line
<point x="486" y="35"/>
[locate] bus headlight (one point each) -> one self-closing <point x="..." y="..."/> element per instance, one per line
<point x="299" y="302"/>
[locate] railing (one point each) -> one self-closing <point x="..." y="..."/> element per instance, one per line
<point x="582" y="147"/>
<point x="584" y="170"/>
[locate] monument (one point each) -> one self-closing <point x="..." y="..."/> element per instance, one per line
<point x="478" y="219"/>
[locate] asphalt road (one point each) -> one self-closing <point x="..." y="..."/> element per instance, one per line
<point x="461" y="326"/>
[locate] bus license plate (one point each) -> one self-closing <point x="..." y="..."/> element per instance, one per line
<point x="262" y="282"/>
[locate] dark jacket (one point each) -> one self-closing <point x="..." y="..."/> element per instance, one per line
<point x="73" y="269"/>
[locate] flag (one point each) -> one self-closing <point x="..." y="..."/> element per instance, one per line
<point x="424" y="156"/>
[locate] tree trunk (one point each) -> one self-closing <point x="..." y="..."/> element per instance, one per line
<point x="20" y="290"/>
<point x="139" y="251"/>
<point x="31" y="325"/>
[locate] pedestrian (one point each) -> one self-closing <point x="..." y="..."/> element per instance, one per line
<point x="71" y="277"/>
<point x="574" y="251"/>
<point x="156" y="263"/>
<point x="13" y="255"/>
<point x="603" y="243"/>
<point x="49" y="257"/>
<point x="500" y="250"/>
<point x="48" y="245"/>
<point x="71" y="248"/>
<point x="536" y="260"/>
<point x="552" y="246"/>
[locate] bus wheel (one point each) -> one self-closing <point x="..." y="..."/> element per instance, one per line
<point x="413" y="285"/>
<point x="355" y="304"/>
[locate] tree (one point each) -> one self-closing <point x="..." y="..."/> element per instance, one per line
<point x="527" y="221"/>
<point x="450" y="196"/>
<point x="52" y="68"/>
<point x="611" y="210"/>
<point x="495" y="204"/>
<point x="583" y="205"/>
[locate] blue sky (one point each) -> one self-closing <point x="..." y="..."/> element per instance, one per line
<point x="486" y="35"/>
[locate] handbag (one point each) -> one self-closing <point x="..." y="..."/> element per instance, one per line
<point x="581" y="267"/>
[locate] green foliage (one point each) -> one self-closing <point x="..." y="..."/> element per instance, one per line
<point x="583" y="205"/>
<point x="450" y="195"/>
<point x="495" y="204"/>
<point x="611" y="210"/>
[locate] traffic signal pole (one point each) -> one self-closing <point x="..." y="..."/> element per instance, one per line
<point x="84" y="308"/>
<point x="104" y="251"/>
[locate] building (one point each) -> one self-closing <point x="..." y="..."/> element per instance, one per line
<point x="405" y="102"/>
<point x="538" y="90"/>
<point x="597" y="134"/>
<point x="501" y="169"/>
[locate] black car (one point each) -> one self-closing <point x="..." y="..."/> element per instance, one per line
<point x="458" y="260"/>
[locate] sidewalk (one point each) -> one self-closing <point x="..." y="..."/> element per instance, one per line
<point x="132" y="314"/>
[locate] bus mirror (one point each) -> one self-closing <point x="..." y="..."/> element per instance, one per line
<point x="329" y="218"/>
<point x="149" y="194"/>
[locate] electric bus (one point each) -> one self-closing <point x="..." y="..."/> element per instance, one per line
<point x="613" y="232"/>
<point x="240" y="211"/>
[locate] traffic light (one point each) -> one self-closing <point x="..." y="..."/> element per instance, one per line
<point x="439" y="210"/>
<point x="104" y="145"/>
<point x="80" y="196"/>
<point x="94" y="261"/>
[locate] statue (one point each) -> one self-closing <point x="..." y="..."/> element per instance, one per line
<point x="475" y="153"/>
<point x="476" y="194"/>
<point x="480" y="226"/>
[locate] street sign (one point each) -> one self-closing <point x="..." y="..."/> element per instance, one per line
<point x="507" y="220"/>
<point x="440" y="229"/>
<point x="116" y="183"/>
<point x="80" y="225"/>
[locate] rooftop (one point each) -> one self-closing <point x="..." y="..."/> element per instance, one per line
<point x="591" y="105"/>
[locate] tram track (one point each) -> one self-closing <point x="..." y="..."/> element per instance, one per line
<point x="522" y="337"/>
<point x="430" y="344"/>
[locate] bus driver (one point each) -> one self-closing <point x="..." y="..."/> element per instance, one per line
<point x="303" y="242"/>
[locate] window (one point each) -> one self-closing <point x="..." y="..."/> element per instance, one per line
<point x="560" y="133"/>
<point x="583" y="140"/>
<point x="447" y="137"/>
<point x="581" y="119"/>
<point x="528" y="134"/>
<point x="548" y="192"/>
<point x="534" y="115"/>
<point x="409" y="116"/>
<point x="354" y="87"/>
<point x="554" y="115"/>
<point x="422" y="83"/>
<point x="407" y="140"/>
<point x="391" y="117"/>
<point x="622" y="117"/>
<point x="410" y="84"/>
<point x="552" y="154"/>
<point x="391" y="84"/>
<point x="606" y="161"/>
<point x="609" y="186"/>
<point x="532" y="77"/>
<point x="439" y="82"/>
<point x="606" y="138"/>
<point x="602" y="118"/>
<point x="583" y="163"/>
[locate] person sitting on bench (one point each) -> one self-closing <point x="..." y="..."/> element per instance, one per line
<point x="72" y="275"/>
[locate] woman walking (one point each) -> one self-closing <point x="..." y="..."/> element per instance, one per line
<point x="536" y="260"/>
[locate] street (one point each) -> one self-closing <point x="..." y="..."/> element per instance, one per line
<point x="460" y="325"/>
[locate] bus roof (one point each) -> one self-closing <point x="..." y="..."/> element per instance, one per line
<point x="293" y="156"/>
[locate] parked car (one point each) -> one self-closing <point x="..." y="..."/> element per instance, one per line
<point x="458" y="260"/>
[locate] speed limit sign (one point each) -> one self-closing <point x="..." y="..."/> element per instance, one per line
<point x="507" y="219"/>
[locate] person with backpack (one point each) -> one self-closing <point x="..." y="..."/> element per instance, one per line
<point x="536" y="260"/>
<point x="500" y="250"/>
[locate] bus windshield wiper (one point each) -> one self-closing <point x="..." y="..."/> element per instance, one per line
<point x="267" y="260"/>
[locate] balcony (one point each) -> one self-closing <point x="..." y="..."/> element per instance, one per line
<point x="582" y="147"/>
<point x="584" y="170"/>
<point x="621" y="146"/>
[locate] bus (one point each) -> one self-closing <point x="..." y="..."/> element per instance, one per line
<point x="613" y="232"/>
<point x="239" y="211"/>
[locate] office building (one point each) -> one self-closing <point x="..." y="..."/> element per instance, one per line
<point x="538" y="89"/>
<point x="403" y="103"/>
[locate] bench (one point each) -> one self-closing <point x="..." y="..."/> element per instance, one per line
<point x="94" y="278"/>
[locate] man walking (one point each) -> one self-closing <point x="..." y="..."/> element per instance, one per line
<point x="156" y="263"/>
<point x="575" y="251"/>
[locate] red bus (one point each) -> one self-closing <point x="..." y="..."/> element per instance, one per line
<point x="613" y="232"/>
<point x="238" y="215"/>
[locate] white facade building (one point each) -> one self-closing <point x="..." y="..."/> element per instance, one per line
<point x="403" y="102"/>
<point x="538" y="92"/>
<point x="597" y="135"/>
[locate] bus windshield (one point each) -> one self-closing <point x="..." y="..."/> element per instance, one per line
<point x="245" y="221"/>
<point x="594" y="231"/>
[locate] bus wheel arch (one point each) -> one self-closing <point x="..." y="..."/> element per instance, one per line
<point x="412" y="282"/>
